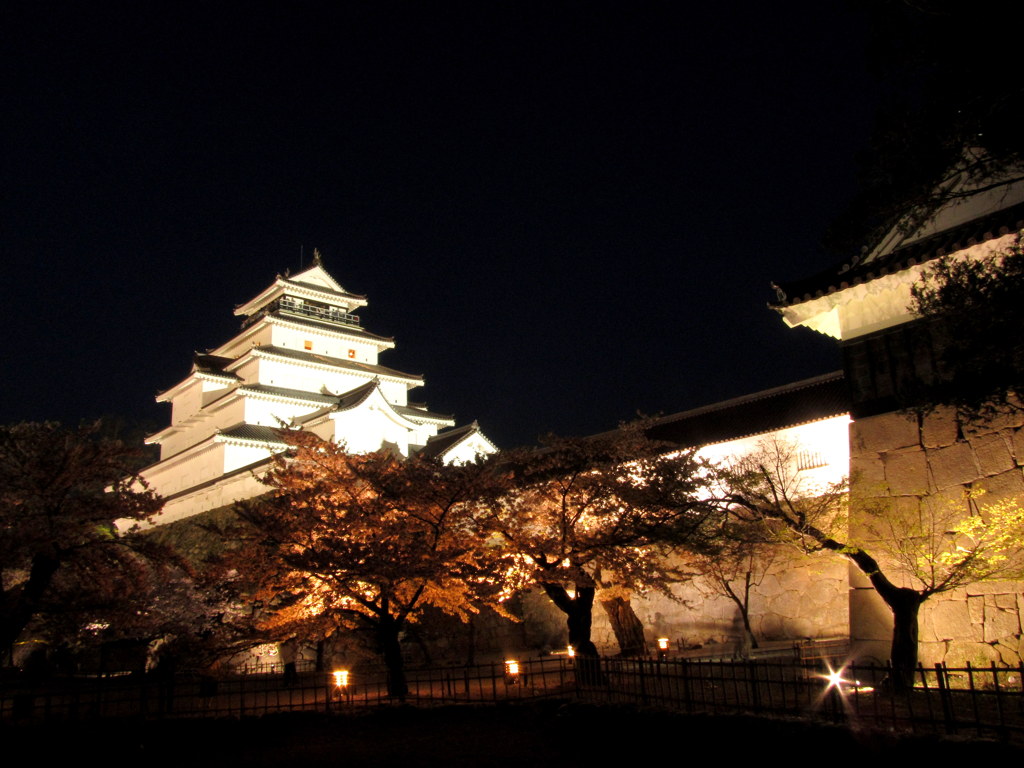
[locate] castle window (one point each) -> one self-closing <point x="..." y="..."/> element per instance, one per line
<point x="809" y="460"/>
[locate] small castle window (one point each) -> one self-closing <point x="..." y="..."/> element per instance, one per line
<point x="809" y="460"/>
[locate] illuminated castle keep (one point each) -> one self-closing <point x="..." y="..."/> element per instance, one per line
<point x="302" y="360"/>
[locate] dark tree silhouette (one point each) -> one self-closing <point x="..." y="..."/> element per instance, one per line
<point x="976" y="311"/>
<point x="61" y="491"/>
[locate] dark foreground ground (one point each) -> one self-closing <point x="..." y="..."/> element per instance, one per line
<point x="530" y="736"/>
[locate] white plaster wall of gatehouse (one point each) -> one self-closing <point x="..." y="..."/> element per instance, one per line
<point x="801" y="597"/>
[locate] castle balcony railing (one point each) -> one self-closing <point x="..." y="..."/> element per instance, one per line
<point x="317" y="311"/>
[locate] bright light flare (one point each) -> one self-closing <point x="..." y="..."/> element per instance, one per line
<point x="836" y="680"/>
<point x="571" y="651"/>
<point x="511" y="667"/>
<point x="341" y="678"/>
<point x="662" y="643"/>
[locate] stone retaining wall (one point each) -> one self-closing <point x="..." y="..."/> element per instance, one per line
<point x="900" y="461"/>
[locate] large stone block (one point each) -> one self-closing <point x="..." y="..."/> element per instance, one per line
<point x="867" y="475"/>
<point x="1004" y="419"/>
<point x="787" y="604"/>
<point x="1018" y="446"/>
<point x="940" y="428"/>
<point x="926" y="629"/>
<point x="1009" y="651"/>
<point x="993" y="454"/>
<point x="870" y="617"/>
<point x="772" y="627"/>
<point x="995" y="587"/>
<point x="799" y="627"/>
<point x="769" y="585"/>
<point x="1004" y="486"/>
<point x="857" y="578"/>
<point x="978" y="654"/>
<point x="976" y="609"/>
<point x="930" y="653"/>
<point x="1000" y="624"/>
<point x="864" y="514"/>
<point x="907" y="508"/>
<point x="885" y="432"/>
<point x="823" y="591"/>
<point x="793" y="578"/>
<point x="953" y="465"/>
<point x="906" y="472"/>
<point x="1007" y="602"/>
<point x="951" y="620"/>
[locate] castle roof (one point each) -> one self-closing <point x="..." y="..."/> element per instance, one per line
<point x="312" y="358"/>
<point x="842" y="276"/>
<point x="443" y="442"/>
<point x="801" y="402"/>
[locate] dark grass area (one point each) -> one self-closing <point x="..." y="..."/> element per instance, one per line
<point x="551" y="733"/>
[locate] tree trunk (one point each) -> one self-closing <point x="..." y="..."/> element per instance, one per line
<point x="743" y="606"/>
<point x="387" y="635"/>
<point x="905" y="606"/>
<point x="750" y="631"/>
<point x="471" y="642"/>
<point x="19" y="611"/>
<point x="628" y="629"/>
<point x="904" y="603"/>
<point x="579" y="615"/>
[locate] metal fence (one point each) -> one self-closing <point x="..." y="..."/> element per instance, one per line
<point x="972" y="701"/>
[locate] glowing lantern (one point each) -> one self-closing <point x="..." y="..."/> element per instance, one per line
<point x="511" y="672"/>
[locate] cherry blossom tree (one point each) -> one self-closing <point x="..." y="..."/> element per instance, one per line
<point x="913" y="555"/>
<point x="365" y="542"/>
<point x="581" y="514"/>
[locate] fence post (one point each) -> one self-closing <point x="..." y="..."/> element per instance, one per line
<point x="755" y="691"/>
<point x="999" y="701"/>
<point x="946" y="698"/>
<point x="241" y="696"/>
<point x="642" y="680"/>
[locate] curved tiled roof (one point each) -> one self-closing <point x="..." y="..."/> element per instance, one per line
<point x="440" y="443"/>
<point x="803" y="401"/>
<point x="346" y="330"/>
<point x="320" y="289"/>
<point x="412" y="412"/>
<point x="337" y="362"/>
<point x="843" y="276"/>
<point x="253" y="433"/>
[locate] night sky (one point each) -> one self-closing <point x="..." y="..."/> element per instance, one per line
<point x="565" y="213"/>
